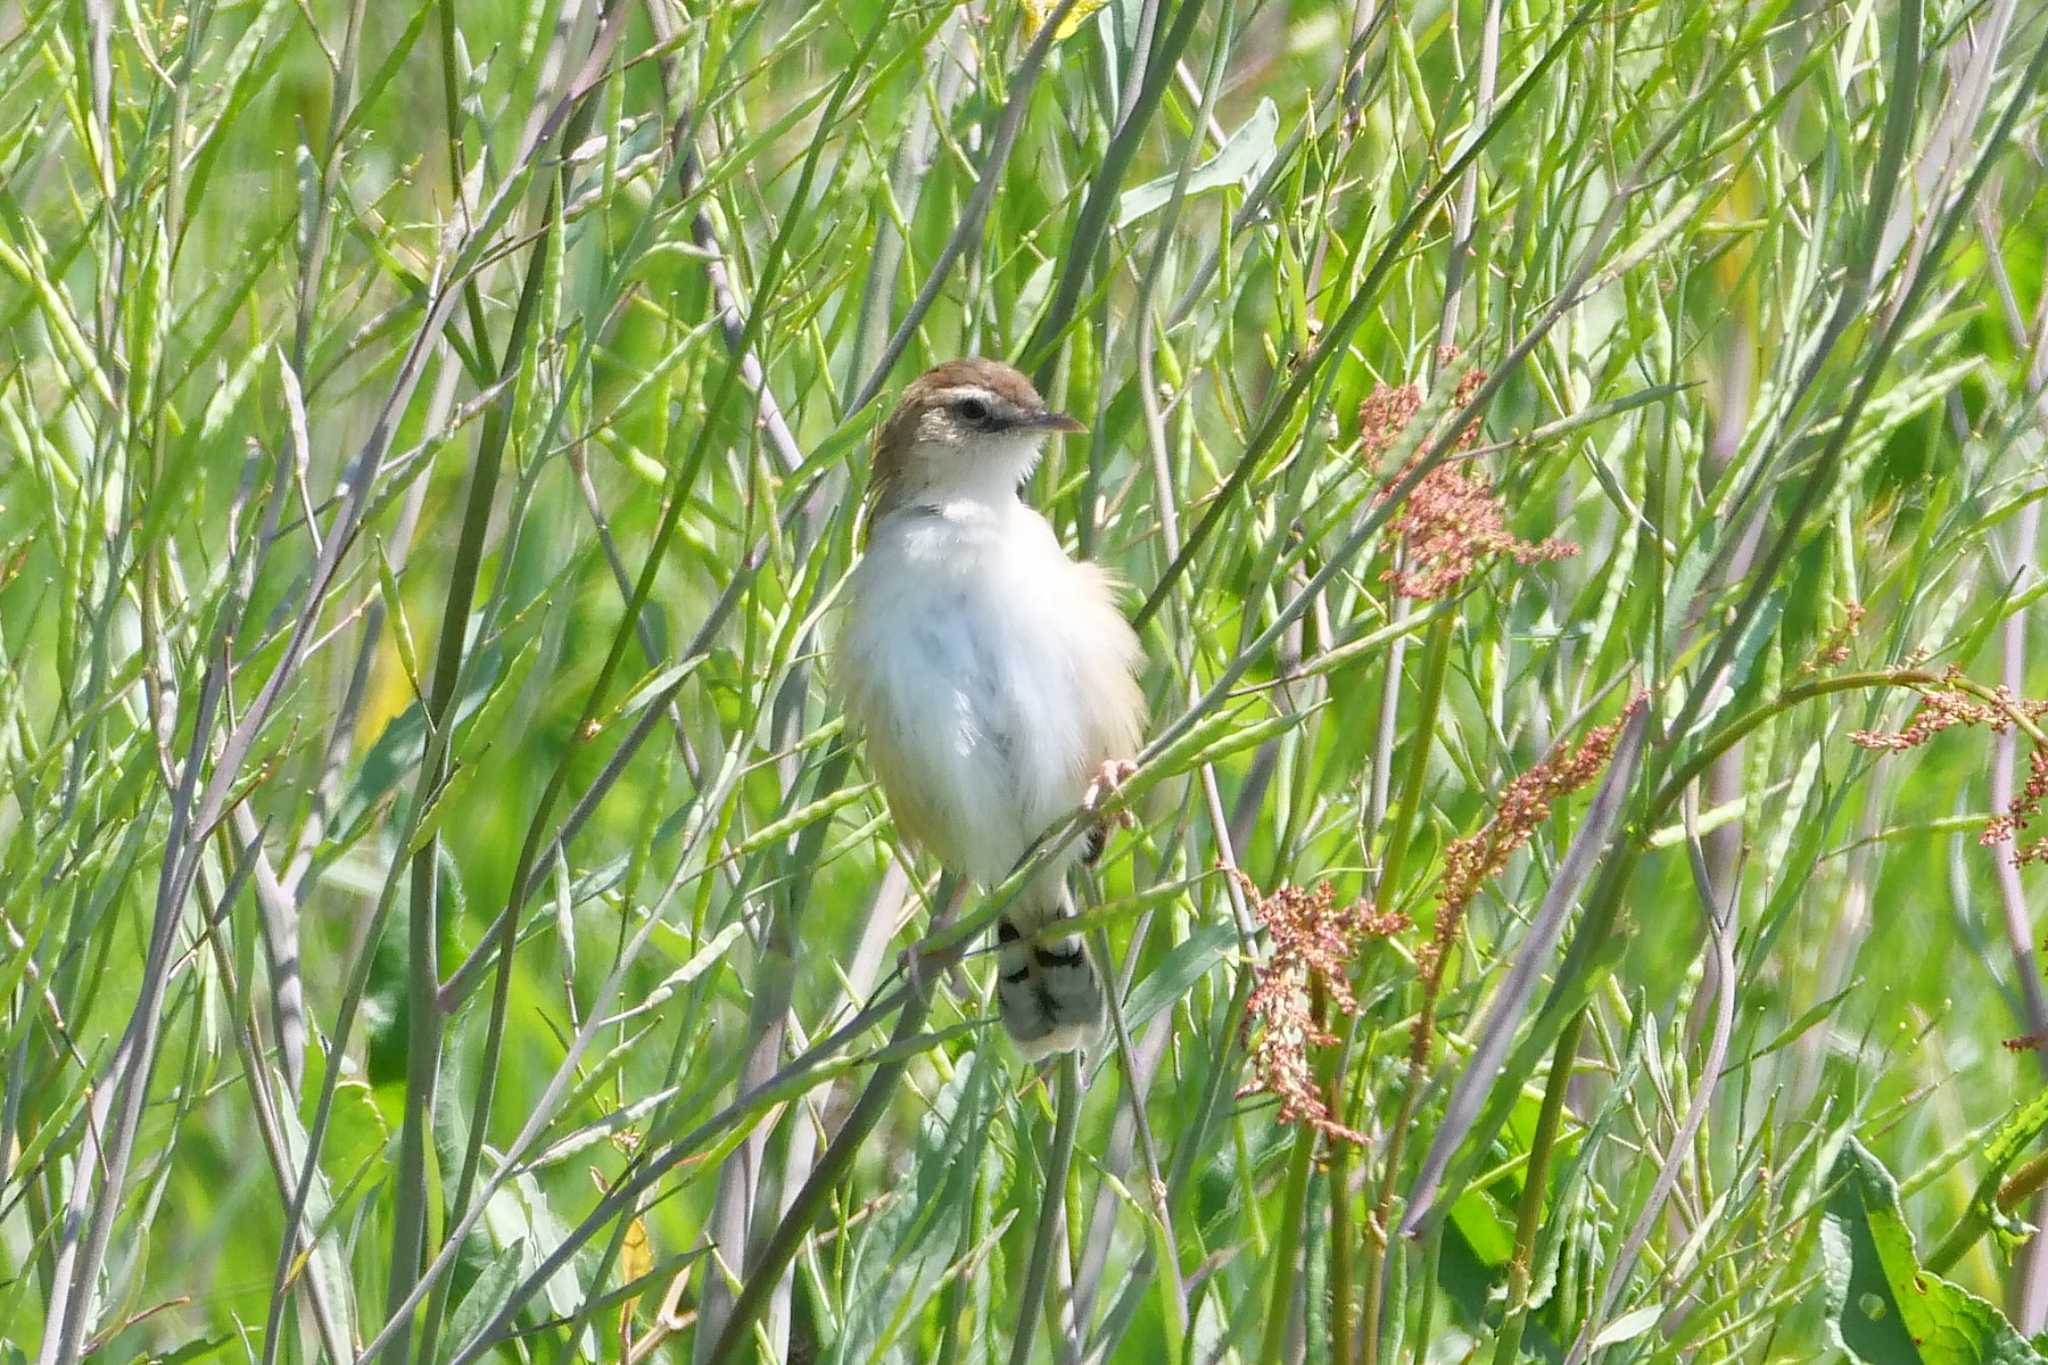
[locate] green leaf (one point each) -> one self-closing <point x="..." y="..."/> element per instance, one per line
<point x="327" y="1264"/>
<point x="904" y="1253"/>
<point x="489" y="1293"/>
<point x="1629" y="1325"/>
<point x="1488" y="1229"/>
<point x="199" y="1349"/>
<point x="520" y="1221"/>
<point x="384" y="1012"/>
<point x="1241" y="160"/>
<point x="399" y="748"/>
<point x="1882" y="1307"/>
<point x="1184" y="964"/>
<point x="356" y="1130"/>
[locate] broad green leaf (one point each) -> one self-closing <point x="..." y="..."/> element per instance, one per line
<point x="1241" y="160"/>
<point x="1881" y="1306"/>
<point x="1629" y="1326"/>
<point x="488" y="1294"/>
<point x="1184" y="964"/>
<point x="904" y="1251"/>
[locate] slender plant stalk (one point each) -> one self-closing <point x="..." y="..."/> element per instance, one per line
<point x="1535" y="1184"/>
<point x="1429" y="701"/>
<point x="1052" y="1199"/>
<point x="423" y="1013"/>
<point x="1283" y="1293"/>
<point x="803" y="1211"/>
<point x="1092" y="222"/>
<point x="585" y="729"/>
<point x="579" y="355"/>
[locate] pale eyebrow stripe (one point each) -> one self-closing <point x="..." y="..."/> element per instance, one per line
<point x="959" y="391"/>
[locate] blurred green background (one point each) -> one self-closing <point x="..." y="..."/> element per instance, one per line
<point x="432" y="439"/>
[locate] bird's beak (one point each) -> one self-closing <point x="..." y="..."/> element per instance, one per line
<point x="1053" y="421"/>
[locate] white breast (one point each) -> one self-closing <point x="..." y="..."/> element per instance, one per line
<point x="990" y="673"/>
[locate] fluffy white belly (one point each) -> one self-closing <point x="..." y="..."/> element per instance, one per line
<point x="991" y="674"/>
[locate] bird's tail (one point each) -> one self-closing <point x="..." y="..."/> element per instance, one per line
<point x="1051" y="993"/>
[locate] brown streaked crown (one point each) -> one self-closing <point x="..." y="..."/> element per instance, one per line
<point x="936" y="385"/>
<point x="954" y="403"/>
<point x="1005" y="381"/>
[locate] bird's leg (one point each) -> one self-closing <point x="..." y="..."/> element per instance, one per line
<point x="922" y="966"/>
<point x="1107" y="784"/>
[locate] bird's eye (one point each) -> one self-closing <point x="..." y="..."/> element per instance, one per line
<point x="971" y="410"/>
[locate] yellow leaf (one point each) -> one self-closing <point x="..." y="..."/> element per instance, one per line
<point x="1037" y="11"/>
<point x="636" y="1256"/>
<point x="389" y="694"/>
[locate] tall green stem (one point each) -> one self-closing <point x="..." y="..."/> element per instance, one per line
<point x="1435" y="668"/>
<point x="1280" y="1303"/>
<point x="1529" y="1216"/>
<point x="409" y="1248"/>
<point x="1066" y="1126"/>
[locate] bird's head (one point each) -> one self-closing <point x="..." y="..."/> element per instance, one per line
<point x="966" y="429"/>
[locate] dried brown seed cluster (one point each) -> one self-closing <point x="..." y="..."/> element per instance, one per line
<point x="2010" y="823"/>
<point x="1942" y="706"/>
<point x="1384" y="415"/>
<point x="1468" y="385"/>
<point x="1956" y="701"/>
<point x="1834" y="646"/>
<point x="1313" y="941"/>
<point x="1389" y="408"/>
<point x="1452" y="519"/>
<point x="1470" y="862"/>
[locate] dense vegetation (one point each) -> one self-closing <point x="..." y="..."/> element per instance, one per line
<point x="1578" y="469"/>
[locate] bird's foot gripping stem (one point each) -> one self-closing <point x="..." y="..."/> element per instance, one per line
<point x="1105" y="787"/>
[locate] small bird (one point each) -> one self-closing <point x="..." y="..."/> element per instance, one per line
<point x="992" y="675"/>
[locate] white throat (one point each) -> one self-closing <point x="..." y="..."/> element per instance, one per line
<point x="990" y="473"/>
